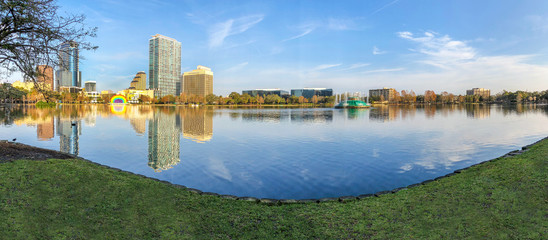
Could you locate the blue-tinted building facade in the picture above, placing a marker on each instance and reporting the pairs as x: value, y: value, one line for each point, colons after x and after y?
x: 266, y: 92
x: 69, y: 74
x: 310, y: 92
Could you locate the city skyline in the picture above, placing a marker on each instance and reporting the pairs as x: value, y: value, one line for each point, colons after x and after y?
x: 443, y: 46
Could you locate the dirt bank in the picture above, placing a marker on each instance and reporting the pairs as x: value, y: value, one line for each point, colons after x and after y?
x: 10, y: 151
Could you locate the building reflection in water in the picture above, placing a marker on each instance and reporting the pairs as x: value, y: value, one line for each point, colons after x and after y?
x: 45, y: 130
x: 68, y: 131
x: 478, y: 110
x: 311, y: 115
x: 383, y: 113
x: 354, y: 113
x: 265, y: 115
x: 197, y: 124
x: 163, y: 139
x: 139, y: 125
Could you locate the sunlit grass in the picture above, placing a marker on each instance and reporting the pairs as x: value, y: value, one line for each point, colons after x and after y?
x: 506, y: 198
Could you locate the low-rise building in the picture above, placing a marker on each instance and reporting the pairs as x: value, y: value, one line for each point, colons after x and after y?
x: 133, y: 95
x: 482, y: 92
x: 266, y: 92
x: 69, y: 89
x: 90, y: 86
x: 384, y: 94
x: 310, y: 92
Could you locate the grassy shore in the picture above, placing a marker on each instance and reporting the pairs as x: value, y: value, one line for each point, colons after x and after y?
x: 501, y: 199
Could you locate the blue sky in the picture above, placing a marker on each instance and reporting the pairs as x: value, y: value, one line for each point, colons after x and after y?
x: 345, y: 45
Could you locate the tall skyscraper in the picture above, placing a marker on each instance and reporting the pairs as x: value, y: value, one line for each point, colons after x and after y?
x: 139, y: 81
x: 69, y: 74
x: 164, y: 65
x: 198, y: 82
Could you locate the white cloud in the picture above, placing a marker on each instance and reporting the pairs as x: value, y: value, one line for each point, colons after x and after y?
x: 385, y: 70
x: 237, y: 67
x: 305, y: 32
x: 325, y: 66
x: 462, y: 67
x: 218, y: 32
x: 443, y: 51
x: 377, y: 51
x: 341, y: 24
x: 355, y: 66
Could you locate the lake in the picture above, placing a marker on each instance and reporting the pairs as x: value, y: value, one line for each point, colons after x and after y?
x: 281, y: 153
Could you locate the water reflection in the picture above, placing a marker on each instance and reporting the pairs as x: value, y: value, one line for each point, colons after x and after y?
x: 197, y: 124
x: 308, y: 115
x: 163, y: 140
x: 68, y: 131
x: 478, y: 111
x: 270, y: 152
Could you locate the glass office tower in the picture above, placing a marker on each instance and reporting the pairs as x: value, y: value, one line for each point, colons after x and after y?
x: 69, y: 74
x: 164, y: 65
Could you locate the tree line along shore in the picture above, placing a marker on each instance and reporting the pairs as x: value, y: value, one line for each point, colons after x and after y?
x: 10, y: 94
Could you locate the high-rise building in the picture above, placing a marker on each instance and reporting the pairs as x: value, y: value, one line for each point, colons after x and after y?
x: 198, y: 82
x: 69, y: 74
x: 90, y: 86
x: 310, y: 92
x: 45, y: 75
x: 384, y: 94
x: 164, y: 66
x: 139, y: 81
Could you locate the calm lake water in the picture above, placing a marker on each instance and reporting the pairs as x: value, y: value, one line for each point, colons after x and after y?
x: 281, y: 152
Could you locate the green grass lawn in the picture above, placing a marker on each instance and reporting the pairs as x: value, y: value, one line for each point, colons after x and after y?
x: 506, y: 198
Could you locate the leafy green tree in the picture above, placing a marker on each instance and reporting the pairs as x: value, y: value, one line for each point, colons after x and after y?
x: 235, y: 97
x: 244, y: 98
x: 8, y: 93
x: 292, y: 100
x: 211, y: 99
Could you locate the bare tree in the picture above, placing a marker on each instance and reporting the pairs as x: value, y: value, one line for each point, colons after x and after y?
x: 31, y: 33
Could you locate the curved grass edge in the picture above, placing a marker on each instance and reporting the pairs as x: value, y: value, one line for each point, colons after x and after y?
x: 273, y: 201
x: 73, y: 199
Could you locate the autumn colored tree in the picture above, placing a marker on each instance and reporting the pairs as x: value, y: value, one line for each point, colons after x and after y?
x: 314, y: 99
x: 260, y: 100
x: 244, y: 98
x: 301, y: 99
x: 397, y: 97
x: 429, y: 96
x: 167, y: 99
